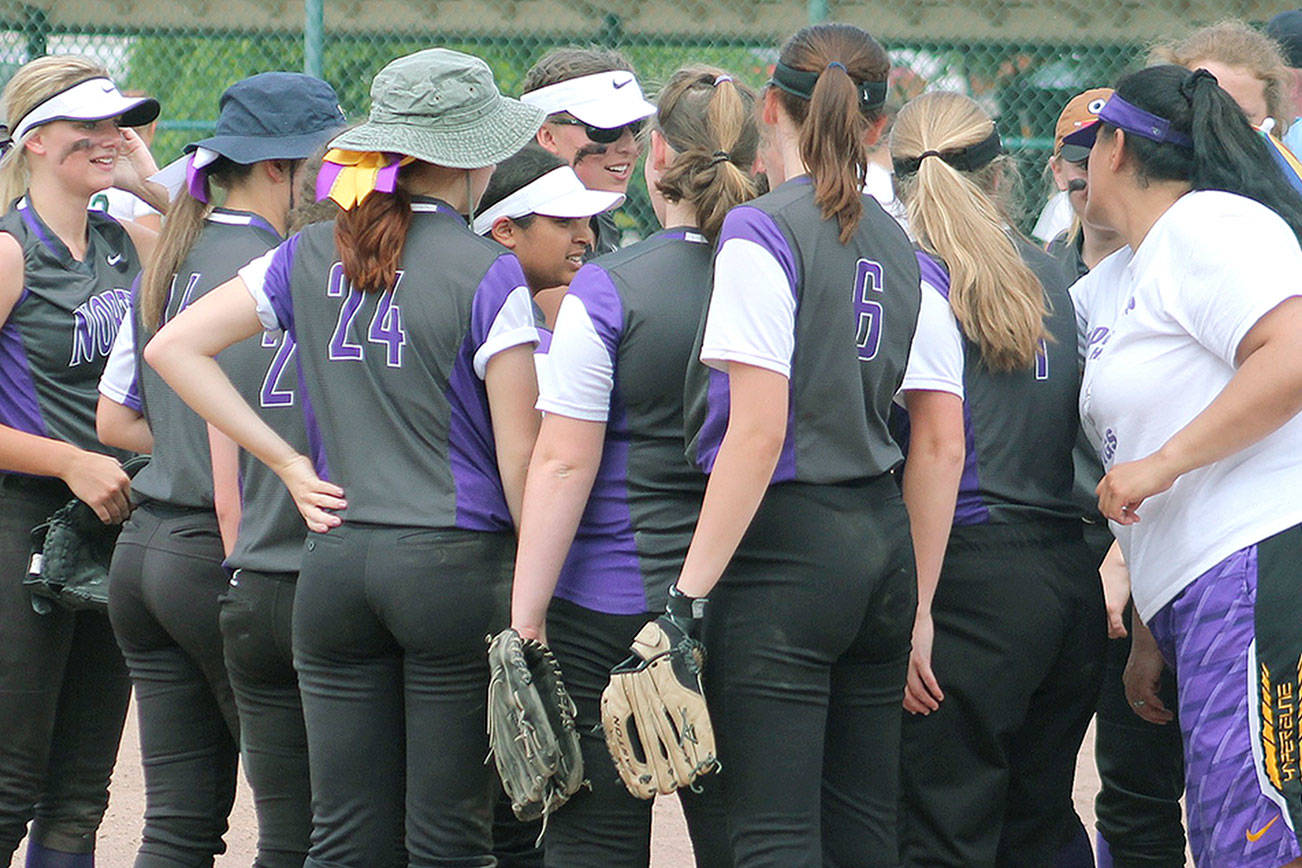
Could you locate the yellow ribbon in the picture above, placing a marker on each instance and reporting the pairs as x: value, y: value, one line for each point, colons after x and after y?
x: 357, y: 173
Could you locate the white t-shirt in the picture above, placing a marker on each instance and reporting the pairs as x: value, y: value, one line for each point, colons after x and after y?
x: 752, y: 319
x: 1160, y: 328
x: 120, y: 205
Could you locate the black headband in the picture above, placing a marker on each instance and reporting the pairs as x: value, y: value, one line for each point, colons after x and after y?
x: 800, y: 83
x: 967, y: 159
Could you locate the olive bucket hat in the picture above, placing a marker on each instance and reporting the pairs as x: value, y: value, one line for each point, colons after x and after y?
x: 442, y: 107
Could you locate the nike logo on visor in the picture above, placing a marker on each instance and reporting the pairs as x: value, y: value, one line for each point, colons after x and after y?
x: 618, y: 84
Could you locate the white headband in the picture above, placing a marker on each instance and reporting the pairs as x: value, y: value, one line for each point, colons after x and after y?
x: 559, y: 193
x: 94, y: 99
x: 604, y: 99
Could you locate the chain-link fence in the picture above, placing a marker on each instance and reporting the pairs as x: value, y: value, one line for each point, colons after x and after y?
x: 1021, y: 58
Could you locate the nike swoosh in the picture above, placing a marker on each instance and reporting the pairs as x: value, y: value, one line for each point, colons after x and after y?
x: 1256, y: 836
x: 107, y: 88
x: 619, y: 84
x: 114, y: 259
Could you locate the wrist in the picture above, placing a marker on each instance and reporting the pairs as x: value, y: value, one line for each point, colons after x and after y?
x: 685, y: 607
x: 1170, y: 461
x: 64, y: 459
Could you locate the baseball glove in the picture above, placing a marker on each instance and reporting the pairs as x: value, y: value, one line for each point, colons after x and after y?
x: 653, y: 711
x: 531, y: 731
x: 70, y: 556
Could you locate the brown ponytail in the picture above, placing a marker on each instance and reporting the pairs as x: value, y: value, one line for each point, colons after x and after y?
x: 996, y: 298
x: 833, y: 120
x: 709, y: 119
x: 181, y: 229
x: 370, y: 238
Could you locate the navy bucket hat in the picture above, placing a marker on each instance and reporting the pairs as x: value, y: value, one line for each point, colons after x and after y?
x: 274, y: 116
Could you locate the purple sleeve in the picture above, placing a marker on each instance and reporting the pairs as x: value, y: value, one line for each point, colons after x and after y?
x: 751, y: 224
x: 593, y: 287
x: 276, y: 284
x: 934, y: 274
x: 503, y: 277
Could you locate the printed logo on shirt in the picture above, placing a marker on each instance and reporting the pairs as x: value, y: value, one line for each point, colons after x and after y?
x: 1130, y: 305
x: 114, y: 259
x: 1097, y: 340
x: 1109, y: 445
x: 1254, y: 837
x: 95, y: 325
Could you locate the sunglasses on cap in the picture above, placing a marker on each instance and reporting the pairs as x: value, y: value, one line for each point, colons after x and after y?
x: 602, y: 135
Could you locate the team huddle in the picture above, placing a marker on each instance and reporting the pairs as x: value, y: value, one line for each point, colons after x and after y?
x: 817, y: 506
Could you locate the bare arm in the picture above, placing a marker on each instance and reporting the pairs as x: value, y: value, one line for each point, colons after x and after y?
x: 1264, y: 393
x: 95, y: 478
x: 184, y: 353
x: 512, y: 386
x: 225, y: 454
x: 561, y: 474
x: 748, y: 455
x: 118, y: 425
x: 937, y: 449
x: 1115, y: 576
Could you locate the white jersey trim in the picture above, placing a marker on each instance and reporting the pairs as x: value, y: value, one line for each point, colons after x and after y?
x: 752, y: 313
x: 579, y: 375
x: 936, y: 362
x: 513, y: 325
x: 254, y: 276
x: 120, y: 372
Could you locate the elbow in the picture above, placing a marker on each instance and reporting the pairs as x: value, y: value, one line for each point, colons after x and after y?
x: 949, y: 453
x: 763, y: 442
x: 159, y: 350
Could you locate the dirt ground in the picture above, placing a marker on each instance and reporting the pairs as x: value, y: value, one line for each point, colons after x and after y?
x: 120, y: 833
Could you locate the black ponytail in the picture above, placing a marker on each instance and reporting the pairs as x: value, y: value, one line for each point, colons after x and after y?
x: 1228, y: 154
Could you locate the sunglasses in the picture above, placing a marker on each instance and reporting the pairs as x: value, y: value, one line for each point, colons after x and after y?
x: 602, y: 135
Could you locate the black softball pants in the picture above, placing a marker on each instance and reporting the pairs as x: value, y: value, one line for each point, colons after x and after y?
x: 64, y: 691
x: 1020, y: 633
x: 256, y: 617
x: 389, y: 644
x: 165, y: 587
x: 807, y: 650
x: 608, y: 827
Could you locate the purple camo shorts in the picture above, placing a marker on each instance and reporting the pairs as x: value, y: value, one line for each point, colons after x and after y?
x: 1207, y: 635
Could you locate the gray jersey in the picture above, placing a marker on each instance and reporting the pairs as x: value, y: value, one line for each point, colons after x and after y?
x: 57, y: 338
x: 644, y: 303
x: 1020, y: 425
x: 856, y: 311
x: 396, y: 408
x: 180, y: 471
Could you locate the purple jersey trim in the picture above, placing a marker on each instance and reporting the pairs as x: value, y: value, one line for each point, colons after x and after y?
x: 751, y: 224
x: 602, y: 571
x: 497, y: 284
x: 275, y: 286
x: 315, y: 444
x: 970, y: 508
x: 37, y: 228
x: 594, y: 288
x: 717, y: 404
x: 544, y: 341
x: 19, y: 406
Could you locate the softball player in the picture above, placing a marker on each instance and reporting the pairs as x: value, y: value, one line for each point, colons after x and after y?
x: 167, y: 578
x: 1006, y: 583
x: 64, y: 284
x: 1190, y: 394
x: 418, y: 389
x: 802, y: 540
x: 610, y: 500
x: 536, y: 207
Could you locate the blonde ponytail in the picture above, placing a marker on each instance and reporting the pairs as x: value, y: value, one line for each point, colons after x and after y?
x: 996, y: 298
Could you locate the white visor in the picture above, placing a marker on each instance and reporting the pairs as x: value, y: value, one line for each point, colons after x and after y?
x: 559, y: 193
x: 604, y: 99
x: 92, y: 100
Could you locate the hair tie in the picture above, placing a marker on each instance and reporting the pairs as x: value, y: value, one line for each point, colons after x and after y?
x: 722, y: 78
x: 1189, y: 86
x: 967, y: 159
x: 720, y: 157
x: 838, y: 65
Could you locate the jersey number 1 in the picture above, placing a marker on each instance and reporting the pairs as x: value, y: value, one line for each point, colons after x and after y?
x: 868, y: 288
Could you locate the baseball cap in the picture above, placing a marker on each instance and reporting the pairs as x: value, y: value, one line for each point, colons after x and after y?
x: 443, y: 107
x: 93, y: 99
x: 1286, y: 29
x: 604, y: 99
x: 559, y: 193
x: 1082, y: 110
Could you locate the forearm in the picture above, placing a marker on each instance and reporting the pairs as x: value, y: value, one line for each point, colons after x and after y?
x: 554, y: 499
x: 931, y: 481
x: 21, y: 452
x: 120, y: 426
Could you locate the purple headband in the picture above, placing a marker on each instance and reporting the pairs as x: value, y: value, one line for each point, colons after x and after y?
x: 196, y: 179
x: 1124, y: 116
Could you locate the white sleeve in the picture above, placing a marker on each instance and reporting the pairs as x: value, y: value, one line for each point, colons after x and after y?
x: 254, y: 276
x: 513, y: 325
x: 119, y: 380
x: 578, y: 376
x: 936, y: 356
x: 752, y: 313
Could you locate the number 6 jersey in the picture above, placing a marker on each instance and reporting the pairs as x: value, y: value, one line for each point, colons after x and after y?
x: 392, y: 383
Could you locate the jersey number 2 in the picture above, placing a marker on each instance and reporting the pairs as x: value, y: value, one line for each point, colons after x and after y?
x: 867, y: 290
x: 272, y: 394
x: 386, y: 322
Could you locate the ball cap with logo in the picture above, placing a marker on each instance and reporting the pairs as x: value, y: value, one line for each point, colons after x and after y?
x: 1081, y: 111
x: 604, y: 99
